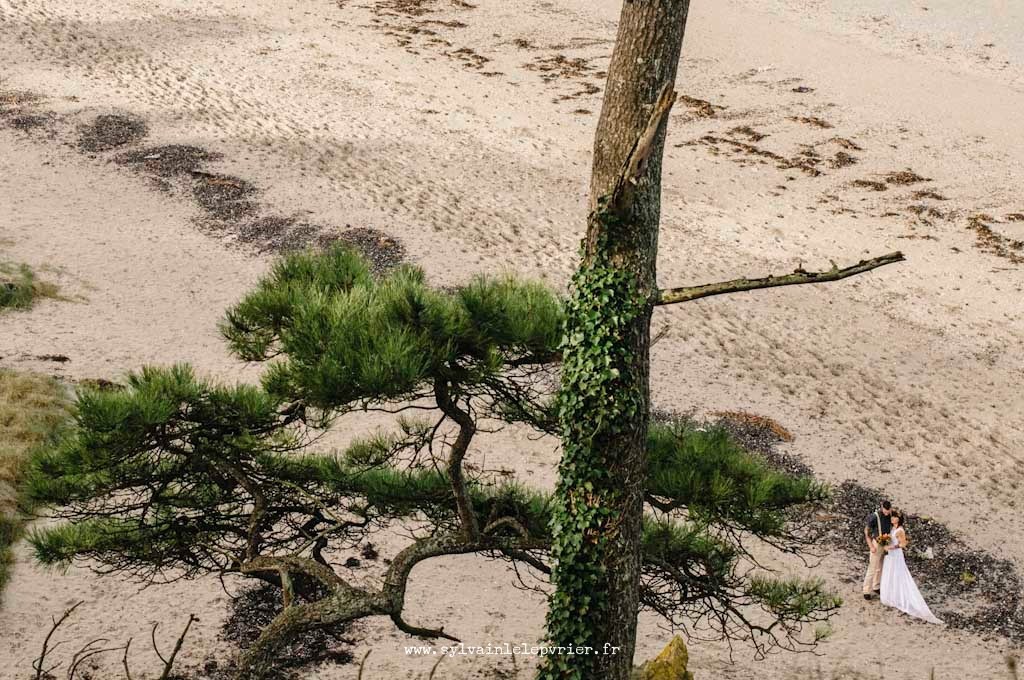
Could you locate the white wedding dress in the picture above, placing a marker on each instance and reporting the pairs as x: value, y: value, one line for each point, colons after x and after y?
x: 898, y: 587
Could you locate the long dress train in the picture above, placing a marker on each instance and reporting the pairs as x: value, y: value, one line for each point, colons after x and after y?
x: 899, y: 589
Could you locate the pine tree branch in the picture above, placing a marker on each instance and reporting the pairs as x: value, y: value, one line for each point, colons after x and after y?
x: 456, y: 475
x: 510, y: 522
x: 296, y: 565
x: 416, y: 631
x: 261, y: 659
x: 397, y: 576
x: 671, y: 296
x: 523, y: 556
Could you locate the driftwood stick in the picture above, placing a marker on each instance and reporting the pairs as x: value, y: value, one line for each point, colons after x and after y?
x: 671, y: 296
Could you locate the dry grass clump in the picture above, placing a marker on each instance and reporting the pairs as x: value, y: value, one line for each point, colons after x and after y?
x: 32, y: 410
x: 923, y: 211
x: 754, y: 420
x: 19, y: 287
x: 869, y: 184
x: 170, y: 160
x: 11, y: 99
x: 842, y: 160
x: 748, y: 132
x: 559, y: 66
x: 224, y: 197
x: 847, y: 144
x: 813, y: 121
x: 993, y: 242
x: 805, y: 161
x: 928, y: 193
x: 699, y: 108
x: 905, y: 177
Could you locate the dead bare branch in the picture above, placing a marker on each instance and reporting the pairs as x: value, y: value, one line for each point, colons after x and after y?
x: 156, y: 648
x: 86, y: 652
x: 362, y: 664
x: 660, y: 335
x: 177, y: 648
x: 124, y: 660
x: 671, y: 296
x: 636, y: 163
x: 39, y: 664
x: 433, y: 669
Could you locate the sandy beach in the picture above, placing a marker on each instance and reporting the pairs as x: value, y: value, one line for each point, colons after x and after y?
x: 808, y: 131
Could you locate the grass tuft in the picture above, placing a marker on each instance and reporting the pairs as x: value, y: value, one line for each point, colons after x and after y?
x: 19, y: 287
x: 33, y: 408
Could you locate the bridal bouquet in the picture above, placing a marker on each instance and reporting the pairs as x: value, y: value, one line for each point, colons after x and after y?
x: 884, y: 540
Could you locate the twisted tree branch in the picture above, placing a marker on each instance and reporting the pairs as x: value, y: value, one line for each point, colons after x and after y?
x: 416, y: 631
x: 671, y: 296
x: 295, y: 565
x: 456, y: 474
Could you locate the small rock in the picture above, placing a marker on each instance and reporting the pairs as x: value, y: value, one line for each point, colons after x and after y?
x: 669, y: 665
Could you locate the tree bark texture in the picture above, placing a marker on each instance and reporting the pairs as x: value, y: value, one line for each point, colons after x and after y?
x: 600, y: 496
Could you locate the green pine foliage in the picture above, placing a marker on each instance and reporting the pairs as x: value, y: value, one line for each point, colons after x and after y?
x: 176, y: 476
x: 349, y: 339
x: 719, y: 483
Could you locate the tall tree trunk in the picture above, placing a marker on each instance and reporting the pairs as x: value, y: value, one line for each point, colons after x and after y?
x: 605, y: 389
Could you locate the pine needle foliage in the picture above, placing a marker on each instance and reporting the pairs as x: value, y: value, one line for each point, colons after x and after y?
x: 719, y: 483
x: 351, y: 339
x: 176, y: 476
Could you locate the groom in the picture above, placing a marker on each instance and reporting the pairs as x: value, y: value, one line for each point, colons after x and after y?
x: 877, y: 523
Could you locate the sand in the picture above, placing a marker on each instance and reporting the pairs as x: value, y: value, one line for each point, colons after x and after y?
x: 465, y: 133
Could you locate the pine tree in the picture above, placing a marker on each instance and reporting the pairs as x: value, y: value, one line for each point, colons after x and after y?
x: 178, y: 477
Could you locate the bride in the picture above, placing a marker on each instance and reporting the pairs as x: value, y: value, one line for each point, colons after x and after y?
x: 898, y: 587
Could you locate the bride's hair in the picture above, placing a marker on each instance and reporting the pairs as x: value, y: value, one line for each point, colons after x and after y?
x: 896, y: 514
